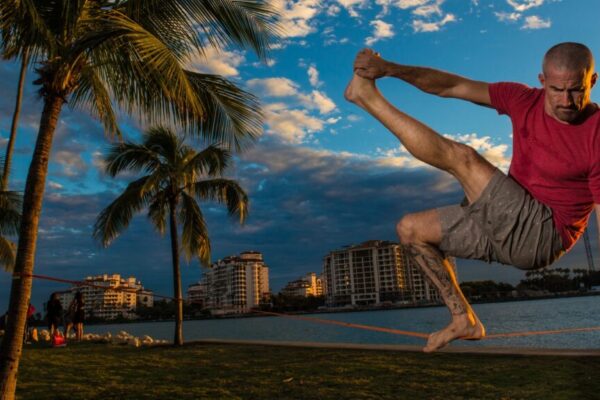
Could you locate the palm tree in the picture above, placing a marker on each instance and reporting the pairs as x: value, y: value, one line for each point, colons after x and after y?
x: 10, y: 218
x: 177, y: 176
x: 15, y: 121
x: 99, y: 54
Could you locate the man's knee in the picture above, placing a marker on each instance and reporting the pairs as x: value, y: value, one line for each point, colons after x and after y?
x: 407, y: 229
x: 464, y: 159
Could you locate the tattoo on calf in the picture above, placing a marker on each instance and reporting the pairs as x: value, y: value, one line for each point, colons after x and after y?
x: 432, y: 264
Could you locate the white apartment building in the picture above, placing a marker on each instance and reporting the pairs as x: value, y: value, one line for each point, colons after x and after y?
x: 372, y: 273
x: 196, y: 293
x: 110, y: 296
x: 236, y: 284
x: 308, y: 285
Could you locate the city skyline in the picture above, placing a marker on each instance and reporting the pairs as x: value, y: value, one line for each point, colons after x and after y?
x: 324, y: 174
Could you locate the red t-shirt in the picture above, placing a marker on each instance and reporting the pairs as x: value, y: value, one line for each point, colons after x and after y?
x: 559, y: 164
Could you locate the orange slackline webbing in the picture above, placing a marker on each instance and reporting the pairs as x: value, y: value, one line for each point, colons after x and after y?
x: 348, y: 324
x: 333, y: 322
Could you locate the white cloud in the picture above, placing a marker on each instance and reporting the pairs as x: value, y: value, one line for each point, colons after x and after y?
x: 219, y: 62
x: 319, y: 101
x: 354, y: 118
x: 381, y: 30
x: 422, y: 26
x: 404, y: 4
x: 313, y: 76
x: 510, y: 17
x: 283, y: 87
x: 428, y: 10
x: 274, y: 87
x: 350, y: 5
x: 71, y: 162
x: 523, y: 5
x: 535, y: 22
x: 296, y: 16
x: 54, y: 185
x: 292, y: 126
x: 333, y: 10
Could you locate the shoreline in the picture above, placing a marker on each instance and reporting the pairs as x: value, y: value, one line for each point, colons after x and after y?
x: 259, y: 314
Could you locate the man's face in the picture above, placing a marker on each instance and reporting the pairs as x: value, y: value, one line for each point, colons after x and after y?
x: 567, y: 92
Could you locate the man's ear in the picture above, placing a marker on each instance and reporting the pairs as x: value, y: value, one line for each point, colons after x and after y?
x: 594, y: 78
x: 541, y: 78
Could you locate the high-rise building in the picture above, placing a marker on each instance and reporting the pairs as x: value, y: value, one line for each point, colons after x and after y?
x: 372, y: 273
x: 309, y: 285
x: 197, y: 293
x: 109, y: 296
x: 236, y: 284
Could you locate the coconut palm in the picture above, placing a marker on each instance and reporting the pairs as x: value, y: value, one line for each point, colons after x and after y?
x: 15, y: 121
x: 10, y: 218
x: 177, y: 177
x: 101, y: 54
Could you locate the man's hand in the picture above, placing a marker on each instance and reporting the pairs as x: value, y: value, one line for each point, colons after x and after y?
x: 369, y: 64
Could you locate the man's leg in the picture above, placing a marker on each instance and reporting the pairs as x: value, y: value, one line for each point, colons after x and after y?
x: 421, y: 232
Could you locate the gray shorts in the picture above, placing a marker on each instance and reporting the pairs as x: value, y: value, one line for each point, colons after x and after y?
x: 505, y: 224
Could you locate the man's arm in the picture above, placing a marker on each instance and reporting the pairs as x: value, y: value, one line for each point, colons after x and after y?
x: 370, y: 65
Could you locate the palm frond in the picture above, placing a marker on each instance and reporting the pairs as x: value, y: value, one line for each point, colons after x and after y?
x: 233, y: 116
x: 117, y: 216
x: 130, y: 157
x: 194, y: 238
x: 163, y: 142
x: 143, y: 73
x: 11, y: 204
x: 251, y: 23
x: 92, y: 95
x: 209, y: 162
x: 157, y: 212
x: 7, y: 254
x: 223, y: 191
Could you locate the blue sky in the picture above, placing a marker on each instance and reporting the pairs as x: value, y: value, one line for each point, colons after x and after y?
x: 324, y: 174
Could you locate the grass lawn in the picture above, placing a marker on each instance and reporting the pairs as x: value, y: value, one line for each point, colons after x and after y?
x: 210, y: 371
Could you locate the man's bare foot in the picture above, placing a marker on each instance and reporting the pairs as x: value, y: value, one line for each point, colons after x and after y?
x: 461, y: 327
x: 360, y: 90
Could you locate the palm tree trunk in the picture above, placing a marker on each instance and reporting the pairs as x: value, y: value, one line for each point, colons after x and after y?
x: 15, y: 120
x: 178, y: 340
x: 20, y: 291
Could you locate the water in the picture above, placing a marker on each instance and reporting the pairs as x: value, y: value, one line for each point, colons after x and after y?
x: 533, y: 315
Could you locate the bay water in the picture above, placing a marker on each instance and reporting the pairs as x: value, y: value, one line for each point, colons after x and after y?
x: 517, y: 316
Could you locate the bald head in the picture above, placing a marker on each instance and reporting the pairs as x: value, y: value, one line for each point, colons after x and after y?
x: 569, y: 56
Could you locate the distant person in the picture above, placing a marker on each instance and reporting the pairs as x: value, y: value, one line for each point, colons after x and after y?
x: 528, y: 218
x: 78, y: 315
x: 27, y: 337
x: 54, y: 313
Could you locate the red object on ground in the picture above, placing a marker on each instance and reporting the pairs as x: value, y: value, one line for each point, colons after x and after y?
x: 58, y: 340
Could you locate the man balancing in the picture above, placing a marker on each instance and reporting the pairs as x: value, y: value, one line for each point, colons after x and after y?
x: 530, y: 217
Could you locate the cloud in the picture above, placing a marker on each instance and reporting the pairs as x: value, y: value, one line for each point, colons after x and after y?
x: 350, y: 6
x: 296, y: 17
x: 219, y: 62
x: 71, y: 163
x: 313, y: 76
x: 535, y: 22
x: 284, y: 87
x: 381, y: 30
x: 507, y: 17
x: 319, y: 101
x: 523, y: 5
x: 422, y: 26
x: 274, y: 87
x: 291, y: 125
